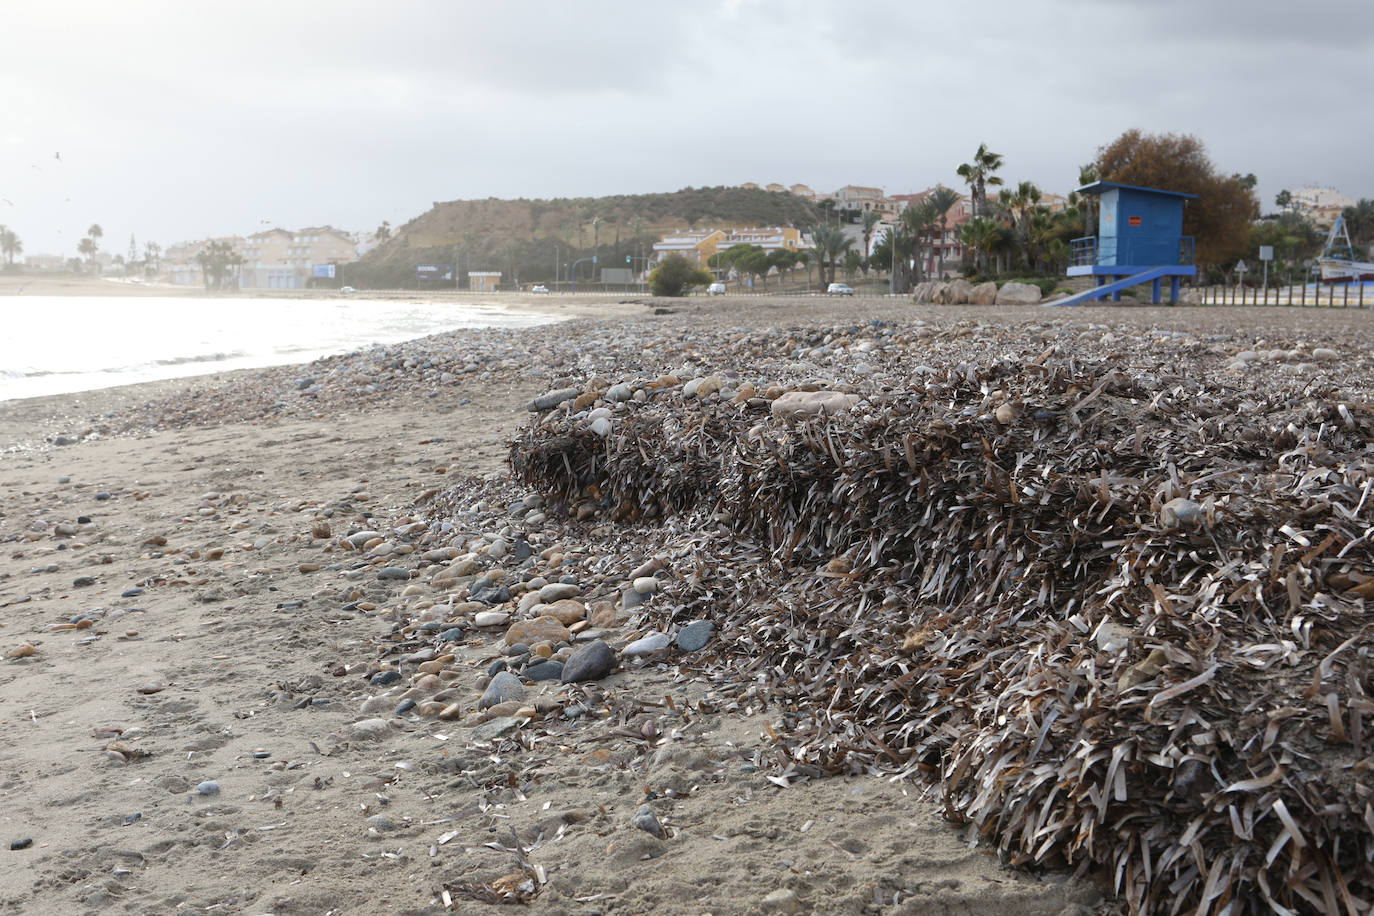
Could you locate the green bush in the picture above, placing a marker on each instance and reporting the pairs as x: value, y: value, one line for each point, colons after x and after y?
x: 675, y: 274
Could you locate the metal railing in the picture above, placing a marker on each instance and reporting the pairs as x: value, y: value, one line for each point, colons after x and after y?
x: 1092, y: 251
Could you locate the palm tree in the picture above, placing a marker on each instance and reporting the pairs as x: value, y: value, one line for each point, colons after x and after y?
x: 870, y: 220
x: 1087, y: 203
x: 941, y: 201
x: 10, y: 244
x: 88, y: 248
x: 978, y: 174
x: 979, y: 237
x: 830, y: 243
x: 917, y: 224
x: 1359, y: 220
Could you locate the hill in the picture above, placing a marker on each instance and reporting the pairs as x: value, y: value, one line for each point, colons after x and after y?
x: 529, y: 239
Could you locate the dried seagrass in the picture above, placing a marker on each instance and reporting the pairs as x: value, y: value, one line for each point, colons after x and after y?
x: 976, y: 579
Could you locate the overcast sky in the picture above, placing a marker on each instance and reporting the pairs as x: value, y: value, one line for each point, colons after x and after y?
x: 178, y: 120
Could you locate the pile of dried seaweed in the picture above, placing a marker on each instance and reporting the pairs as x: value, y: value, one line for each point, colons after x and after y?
x: 1119, y: 618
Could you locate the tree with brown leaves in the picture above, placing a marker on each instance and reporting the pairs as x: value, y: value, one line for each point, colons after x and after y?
x: 1219, y: 219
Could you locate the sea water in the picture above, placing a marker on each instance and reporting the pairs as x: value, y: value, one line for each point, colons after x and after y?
x: 59, y: 344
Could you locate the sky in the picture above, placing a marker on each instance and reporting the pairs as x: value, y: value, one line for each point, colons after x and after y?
x: 172, y: 121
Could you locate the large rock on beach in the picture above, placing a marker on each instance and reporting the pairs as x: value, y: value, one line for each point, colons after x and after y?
x: 926, y: 291
x: 983, y: 294
x: 955, y: 292
x: 1018, y: 294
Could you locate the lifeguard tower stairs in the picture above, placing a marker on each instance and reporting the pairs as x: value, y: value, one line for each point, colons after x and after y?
x: 1139, y: 240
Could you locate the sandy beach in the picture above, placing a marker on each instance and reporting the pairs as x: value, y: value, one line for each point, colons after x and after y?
x: 247, y: 667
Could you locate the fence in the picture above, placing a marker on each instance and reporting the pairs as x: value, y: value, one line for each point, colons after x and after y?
x: 1309, y: 295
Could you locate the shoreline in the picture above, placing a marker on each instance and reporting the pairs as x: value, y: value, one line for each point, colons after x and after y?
x: 213, y: 622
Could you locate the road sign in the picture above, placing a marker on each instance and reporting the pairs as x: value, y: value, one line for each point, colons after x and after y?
x: 1266, y: 252
x: 1240, y: 267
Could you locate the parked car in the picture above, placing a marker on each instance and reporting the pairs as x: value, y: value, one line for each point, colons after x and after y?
x: 347, y: 289
x: 540, y: 289
x: 716, y: 289
x: 840, y: 289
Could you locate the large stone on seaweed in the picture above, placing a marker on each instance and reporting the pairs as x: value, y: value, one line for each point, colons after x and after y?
x: 801, y: 405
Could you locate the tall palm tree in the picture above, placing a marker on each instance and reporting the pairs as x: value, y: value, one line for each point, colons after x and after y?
x: 979, y: 236
x: 830, y: 243
x: 88, y: 248
x: 941, y: 201
x: 10, y: 244
x: 918, y: 222
x: 870, y: 220
x: 978, y: 174
x: 1087, y: 203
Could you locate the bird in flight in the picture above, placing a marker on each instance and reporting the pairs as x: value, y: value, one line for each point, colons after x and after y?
x: 57, y: 156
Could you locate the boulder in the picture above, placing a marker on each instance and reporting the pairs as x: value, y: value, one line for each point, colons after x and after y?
x: 1018, y: 294
x: 800, y: 405
x: 925, y: 291
x: 955, y: 292
x: 983, y: 294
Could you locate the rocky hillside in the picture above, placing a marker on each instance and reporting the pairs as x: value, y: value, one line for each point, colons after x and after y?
x: 527, y: 238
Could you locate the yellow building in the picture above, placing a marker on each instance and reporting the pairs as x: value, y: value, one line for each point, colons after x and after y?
x: 768, y: 238
x: 696, y: 245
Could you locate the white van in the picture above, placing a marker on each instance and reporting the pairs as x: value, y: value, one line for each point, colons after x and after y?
x: 716, y: 289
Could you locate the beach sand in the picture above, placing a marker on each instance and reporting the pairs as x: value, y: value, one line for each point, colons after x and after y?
x: 179, y: 569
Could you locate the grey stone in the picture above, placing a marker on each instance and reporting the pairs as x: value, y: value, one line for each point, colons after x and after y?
x: 1018, y: 294
x: 504, y: 686
x: 589, y: 663
x: 394, y: 572
x: 496, y: 728
x: 647, y: 645
x: 553, y: 399
x: 557, y: 591
x: 695, y: 635
x: 370, y: 730
x: 646, y: 820
x: 548, y: 670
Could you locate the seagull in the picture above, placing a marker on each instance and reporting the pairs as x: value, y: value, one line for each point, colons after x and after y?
x: 57, y: 156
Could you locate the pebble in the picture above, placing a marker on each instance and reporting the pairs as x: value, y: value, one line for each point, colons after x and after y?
x: 405, y: 706
x: 504, y: 687
x: 591, y: 662
x: 646, y: 645
x: 452, y: 634
x: 558, y: 591
x: 383, y: 678
x: 540, y: 629
x: 1180, y: 513
x: 645, y: 585
x: 782, y: 900
x: 209, y: 787
x: 394, y: 572
x: 496, y: 728
x: 490, y: 618
x: 695, y: 635
x: 553, y: 399
x: 24, y: 842
x: 83, y: 581
x: 544, y: 671
x: 646, y: 820
x: 370, y: 729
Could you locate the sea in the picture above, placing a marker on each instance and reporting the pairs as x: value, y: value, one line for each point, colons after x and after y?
x: 60, y: 344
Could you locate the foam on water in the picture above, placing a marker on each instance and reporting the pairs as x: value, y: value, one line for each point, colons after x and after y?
x: 58, y: 344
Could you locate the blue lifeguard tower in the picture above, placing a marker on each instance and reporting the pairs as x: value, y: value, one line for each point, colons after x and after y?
x: 1139, y: 240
